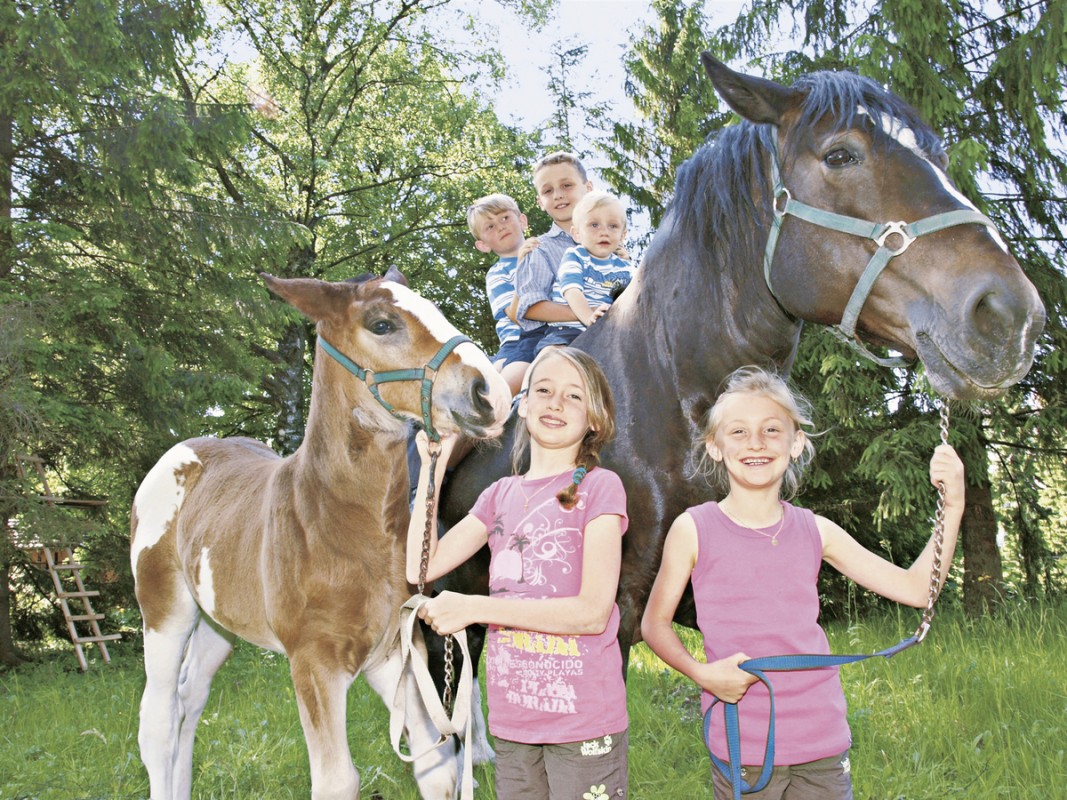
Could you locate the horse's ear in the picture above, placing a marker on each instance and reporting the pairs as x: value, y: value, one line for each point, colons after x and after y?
x: 396, y: 276
x: 313, y: 298
x: 756, y: 99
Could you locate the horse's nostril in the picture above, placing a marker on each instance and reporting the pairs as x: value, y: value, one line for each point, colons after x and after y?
x: 991, y: 313
x: 480, y: 394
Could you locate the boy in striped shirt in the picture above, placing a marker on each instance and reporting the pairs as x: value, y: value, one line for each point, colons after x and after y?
x: 497, y: 226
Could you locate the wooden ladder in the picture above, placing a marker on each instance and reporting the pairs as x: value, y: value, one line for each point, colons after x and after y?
x: 59, y: 560
x: 70, y: 588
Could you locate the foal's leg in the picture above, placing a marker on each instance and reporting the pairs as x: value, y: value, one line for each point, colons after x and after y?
x: 437, y: 771
x: 321, y: 694
x: 208, y: 649
x: 166, y: 636
x: 481, y: 751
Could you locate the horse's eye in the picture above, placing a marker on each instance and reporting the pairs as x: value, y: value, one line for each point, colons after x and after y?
x: 381, y: 327
x: 839, y: 157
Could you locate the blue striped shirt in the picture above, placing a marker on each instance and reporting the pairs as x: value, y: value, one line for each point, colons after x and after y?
x: 594, y: 277
x: 500, y: 287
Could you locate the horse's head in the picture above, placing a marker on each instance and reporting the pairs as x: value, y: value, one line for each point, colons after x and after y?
x: 397, y: 346
x: 883, y: 243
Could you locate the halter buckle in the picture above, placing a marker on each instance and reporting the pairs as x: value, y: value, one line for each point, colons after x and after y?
x: 899, y: 228
x: 781, y: 206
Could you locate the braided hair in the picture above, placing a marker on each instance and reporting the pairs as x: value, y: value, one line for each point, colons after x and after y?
x: 600, y: 410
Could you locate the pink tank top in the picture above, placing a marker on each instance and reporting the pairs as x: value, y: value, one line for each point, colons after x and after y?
x: 761, y: 599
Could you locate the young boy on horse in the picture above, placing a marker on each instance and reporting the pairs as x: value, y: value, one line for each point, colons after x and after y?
x: 498, y: 227
x: 560, y: 181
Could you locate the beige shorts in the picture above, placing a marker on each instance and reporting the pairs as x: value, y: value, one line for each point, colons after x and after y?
x: 594, y: 769
x: 825, y: 779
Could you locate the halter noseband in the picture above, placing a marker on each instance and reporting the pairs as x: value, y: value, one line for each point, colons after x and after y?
x: 878, y: 232
x: 425, y: 374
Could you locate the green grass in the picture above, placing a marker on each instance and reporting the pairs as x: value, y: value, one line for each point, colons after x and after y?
x: 978, y: 711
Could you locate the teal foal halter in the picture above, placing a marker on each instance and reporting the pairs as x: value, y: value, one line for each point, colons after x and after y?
x: 425, y: 374
x: 878, y: 232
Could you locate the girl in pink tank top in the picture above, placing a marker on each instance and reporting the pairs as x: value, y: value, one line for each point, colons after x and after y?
x: 753, y: 559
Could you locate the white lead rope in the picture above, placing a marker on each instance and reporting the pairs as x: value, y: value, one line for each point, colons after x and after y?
x: 411, y: 654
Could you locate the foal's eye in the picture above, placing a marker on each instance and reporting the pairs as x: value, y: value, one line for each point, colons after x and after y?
x: 839, y: 157
x: 381, y: 327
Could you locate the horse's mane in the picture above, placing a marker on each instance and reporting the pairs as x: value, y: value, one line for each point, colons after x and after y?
x: 723, y: 188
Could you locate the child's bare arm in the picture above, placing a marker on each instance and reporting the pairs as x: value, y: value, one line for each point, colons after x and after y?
x: 722, y: 678
x: 580, y: 306
x: 909, y: 586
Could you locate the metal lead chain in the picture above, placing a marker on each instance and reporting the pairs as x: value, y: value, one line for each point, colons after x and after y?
x: 431, y: 510
x: 939, y: 541
x: 424, y: 566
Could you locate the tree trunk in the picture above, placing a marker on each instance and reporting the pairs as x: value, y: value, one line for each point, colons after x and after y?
x: 9, y: 656
x: 7, y: 154
x: 983, y: 577
x: 286, y: 386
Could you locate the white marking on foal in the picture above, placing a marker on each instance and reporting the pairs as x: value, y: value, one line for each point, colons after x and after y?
x: 205, y: 586
x: 438, y: 325
x: 158, y: 499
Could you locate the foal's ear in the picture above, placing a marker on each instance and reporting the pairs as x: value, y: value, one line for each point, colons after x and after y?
x: 396, y: 276
x: 313, y: 298
x: 756, y: 99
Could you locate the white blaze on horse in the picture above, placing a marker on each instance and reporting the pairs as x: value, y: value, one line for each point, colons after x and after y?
x: 305, y: 555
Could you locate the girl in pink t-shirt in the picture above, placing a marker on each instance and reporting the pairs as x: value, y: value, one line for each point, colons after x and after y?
x: 753, y: 560
x: 557, y: 701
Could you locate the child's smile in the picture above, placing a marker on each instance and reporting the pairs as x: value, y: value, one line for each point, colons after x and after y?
x: 755, y: 440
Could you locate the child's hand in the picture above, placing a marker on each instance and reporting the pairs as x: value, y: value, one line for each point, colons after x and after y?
x: 622, y: 252
x: 598, y: 312
x: 444, y: 447
x: 528, y: 247
x: 447, y: 613
x: 947, y: 469
x: 724, y: 679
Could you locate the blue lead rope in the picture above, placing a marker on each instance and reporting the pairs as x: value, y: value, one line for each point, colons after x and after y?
x: 757, y: 666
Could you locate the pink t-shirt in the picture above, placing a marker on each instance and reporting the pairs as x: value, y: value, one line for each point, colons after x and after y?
x: 763, y: 600
x: 549, y: 688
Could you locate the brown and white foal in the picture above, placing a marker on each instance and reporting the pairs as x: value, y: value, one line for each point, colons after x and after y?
x: 303, y: 555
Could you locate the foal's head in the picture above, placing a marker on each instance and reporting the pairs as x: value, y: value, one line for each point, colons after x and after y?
x: 369, y: 328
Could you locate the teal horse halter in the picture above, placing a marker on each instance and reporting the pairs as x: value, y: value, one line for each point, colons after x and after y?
x: 425, y: 374
x: 878, y: 232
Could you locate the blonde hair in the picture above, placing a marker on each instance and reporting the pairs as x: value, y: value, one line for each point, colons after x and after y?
x: 485, y: 206
x: 751, y: 380
x: 560, y: 157
x: 599, y: 409
x: 591, y: 201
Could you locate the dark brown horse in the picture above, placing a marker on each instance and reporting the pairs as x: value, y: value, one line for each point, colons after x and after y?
x: 305, y: 555
x: 942, y: 288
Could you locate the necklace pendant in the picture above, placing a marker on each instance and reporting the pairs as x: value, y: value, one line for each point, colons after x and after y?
x: 774, y: 542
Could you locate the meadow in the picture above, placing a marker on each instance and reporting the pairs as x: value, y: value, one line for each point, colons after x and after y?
x: 978, y: 711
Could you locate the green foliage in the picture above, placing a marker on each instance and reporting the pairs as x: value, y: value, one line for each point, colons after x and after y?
x: 675, y: 107
x: 364, y: 132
